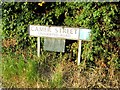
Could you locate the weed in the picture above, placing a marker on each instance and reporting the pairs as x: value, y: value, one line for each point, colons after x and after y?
x: 50, y: 71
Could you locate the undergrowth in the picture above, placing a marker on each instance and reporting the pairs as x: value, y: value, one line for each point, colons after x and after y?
x: 50, y: 71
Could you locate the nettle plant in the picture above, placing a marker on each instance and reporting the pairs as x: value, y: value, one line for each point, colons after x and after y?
x: 101, y: 18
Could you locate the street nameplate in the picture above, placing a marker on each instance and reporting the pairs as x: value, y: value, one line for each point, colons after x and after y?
x: 85, y: 34
x: 54, y: 32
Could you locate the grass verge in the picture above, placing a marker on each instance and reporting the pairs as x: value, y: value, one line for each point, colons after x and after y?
x: 50, y: 71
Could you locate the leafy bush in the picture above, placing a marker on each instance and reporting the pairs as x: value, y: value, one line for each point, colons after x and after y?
x: 101, y: 18
x: 102, y: 52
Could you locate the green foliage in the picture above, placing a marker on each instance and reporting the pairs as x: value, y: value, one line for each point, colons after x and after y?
x: 57, y: 80
x: 101, y: 18
x: 28, y: 71
x: 13, y: 66
x: 43, y: 72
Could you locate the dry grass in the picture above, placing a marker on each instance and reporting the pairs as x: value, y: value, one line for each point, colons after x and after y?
x: 78, y: 77
x: 61, y: 74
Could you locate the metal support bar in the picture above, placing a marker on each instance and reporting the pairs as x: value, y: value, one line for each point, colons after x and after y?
x: 79, y: 51
x: 38, y: 46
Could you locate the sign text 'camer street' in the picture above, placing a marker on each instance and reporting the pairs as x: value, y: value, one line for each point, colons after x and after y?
x: 54, y: 32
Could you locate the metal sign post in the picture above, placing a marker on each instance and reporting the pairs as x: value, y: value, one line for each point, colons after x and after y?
x: 84, y: 35
x: 38, y: 46
x: 79, y: 51
x: 59, y: 33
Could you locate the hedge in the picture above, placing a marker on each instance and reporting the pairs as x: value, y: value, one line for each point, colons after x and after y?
x: 101, y: 17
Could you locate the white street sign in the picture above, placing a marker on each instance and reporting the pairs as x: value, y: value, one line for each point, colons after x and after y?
x: 59, y: 32
x: 54, y: 32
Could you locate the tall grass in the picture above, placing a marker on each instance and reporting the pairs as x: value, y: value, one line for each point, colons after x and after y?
x: 28, y: 72
x: 0, y: 46
x: 15, y: 70
x: 51, y: 71
x: 57, y: 77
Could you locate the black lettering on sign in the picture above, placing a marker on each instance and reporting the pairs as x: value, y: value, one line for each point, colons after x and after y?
x: 71, y: 31
x: 64, y: 31
x: 40, y: 29
x: 56, y: 30
x: 75, y: 31
x: 32, y: 28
